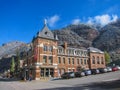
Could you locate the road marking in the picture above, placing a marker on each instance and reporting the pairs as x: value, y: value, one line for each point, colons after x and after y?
x: 110, y: 80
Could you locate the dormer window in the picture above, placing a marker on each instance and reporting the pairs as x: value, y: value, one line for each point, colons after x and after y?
x: 46, y: 33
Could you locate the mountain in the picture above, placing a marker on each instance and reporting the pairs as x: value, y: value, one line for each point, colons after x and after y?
x: 78, y: 35
x: 109, y: 37
x: 109, y: 40
x: 10, y: 48
x: 106, y: 38
x: 85, y: 31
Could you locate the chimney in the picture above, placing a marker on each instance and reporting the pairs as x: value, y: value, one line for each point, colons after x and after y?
x: 65, y: 45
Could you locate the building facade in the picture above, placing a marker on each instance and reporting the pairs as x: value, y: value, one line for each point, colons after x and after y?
x: 48, y: 59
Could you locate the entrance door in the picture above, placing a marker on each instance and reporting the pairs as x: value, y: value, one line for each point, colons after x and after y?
x: 47, y: 72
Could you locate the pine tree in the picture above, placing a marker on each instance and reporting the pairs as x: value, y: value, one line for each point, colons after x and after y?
x: 17, y: 61
x: 107, y: 57
x: 12, y: 66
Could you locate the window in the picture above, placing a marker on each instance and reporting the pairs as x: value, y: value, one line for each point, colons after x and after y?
x: 81, y: 53
x: 85, y: 53
x: 59, y: 60
x: 68, y: 60
x: 72, y: 60
x: 75, y: 52
x: 102, y: 61
x: 44, y: 59
x: 50, y: 60
x: 50, y: 48
x: 45, y: 48
x: 46, y: 32
x: 98, y: 61
x: 85, y: 61
x: 63, y: 60
x: 77, y: 61
x: 93, y: 60
x: 60, y: 50
x: 81, y: 61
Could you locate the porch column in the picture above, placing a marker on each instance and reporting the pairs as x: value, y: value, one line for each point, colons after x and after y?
x: 55, y: 72
x: 44, y: 72
x: 37, y: 73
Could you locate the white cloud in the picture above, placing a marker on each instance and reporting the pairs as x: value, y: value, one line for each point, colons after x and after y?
x: 102, y: 19
x: 115, y: 17
x: 76, y: 21
x: 90, y: 21
x: 52, y: 20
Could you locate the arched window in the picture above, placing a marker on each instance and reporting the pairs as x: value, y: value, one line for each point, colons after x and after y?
x: 44, y: 59
x: 63, y: 60
x: 77, y: 61
x: 45, y: 48
x: 98, y: 61
x: 59, y: 60
x: 68, y: 60
x: 93, y: 60
x: 102, y: 61
x: 85, y: 61
x: 81, y: 60
x: 50, y: 60
x: 50, y: 48
x: 72, y: 60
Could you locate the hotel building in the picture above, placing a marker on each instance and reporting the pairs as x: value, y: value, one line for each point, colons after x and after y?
x: 48, y: 59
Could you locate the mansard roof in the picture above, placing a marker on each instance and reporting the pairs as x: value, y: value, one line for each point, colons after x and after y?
x: 46, y: 33
x: 92, y: 49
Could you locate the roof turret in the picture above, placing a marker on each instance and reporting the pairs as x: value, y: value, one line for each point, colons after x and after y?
x: 45, y: 32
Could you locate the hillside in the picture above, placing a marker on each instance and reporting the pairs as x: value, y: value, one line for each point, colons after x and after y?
x: 106, y: 38
x: 71, y: 38
x: 80, y: 35
x: 10, y: 48
x: 109, y: 39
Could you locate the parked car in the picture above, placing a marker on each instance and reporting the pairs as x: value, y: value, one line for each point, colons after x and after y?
x: 87, y: 72
x: 114, y: 68
x: 118, y: 67
x: 79, y: 74
x: 95, y: 71
x: 109, y: 69
x: 102, y: 70
x: 68, y: 75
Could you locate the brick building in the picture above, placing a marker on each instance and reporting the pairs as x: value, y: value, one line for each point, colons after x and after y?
x: 48, y: 59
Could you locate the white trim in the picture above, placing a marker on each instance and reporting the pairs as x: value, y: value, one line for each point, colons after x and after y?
x: 56, y: 67
x: 37, y: 64
x: 54, y: 47
x: 40, y: 45
x: 55, y: 64
x: 37, y: 78
x: 47, y: 55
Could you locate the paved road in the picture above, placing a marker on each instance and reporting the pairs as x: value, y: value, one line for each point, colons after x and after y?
x: 105, y: 81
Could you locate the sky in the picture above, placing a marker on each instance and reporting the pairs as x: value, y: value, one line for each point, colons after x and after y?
x: 21, y: 19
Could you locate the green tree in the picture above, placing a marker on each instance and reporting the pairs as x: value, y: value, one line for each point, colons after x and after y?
x: 18, y: 61
x: 12, y: 66
x: 107, y: 57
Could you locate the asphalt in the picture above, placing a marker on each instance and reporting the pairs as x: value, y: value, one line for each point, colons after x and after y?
x: 107, y: 81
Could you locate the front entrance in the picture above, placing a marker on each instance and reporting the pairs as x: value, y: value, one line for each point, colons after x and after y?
x: 47, y: 72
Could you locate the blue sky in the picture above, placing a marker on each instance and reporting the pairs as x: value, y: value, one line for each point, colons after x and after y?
x: 22, y: 19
